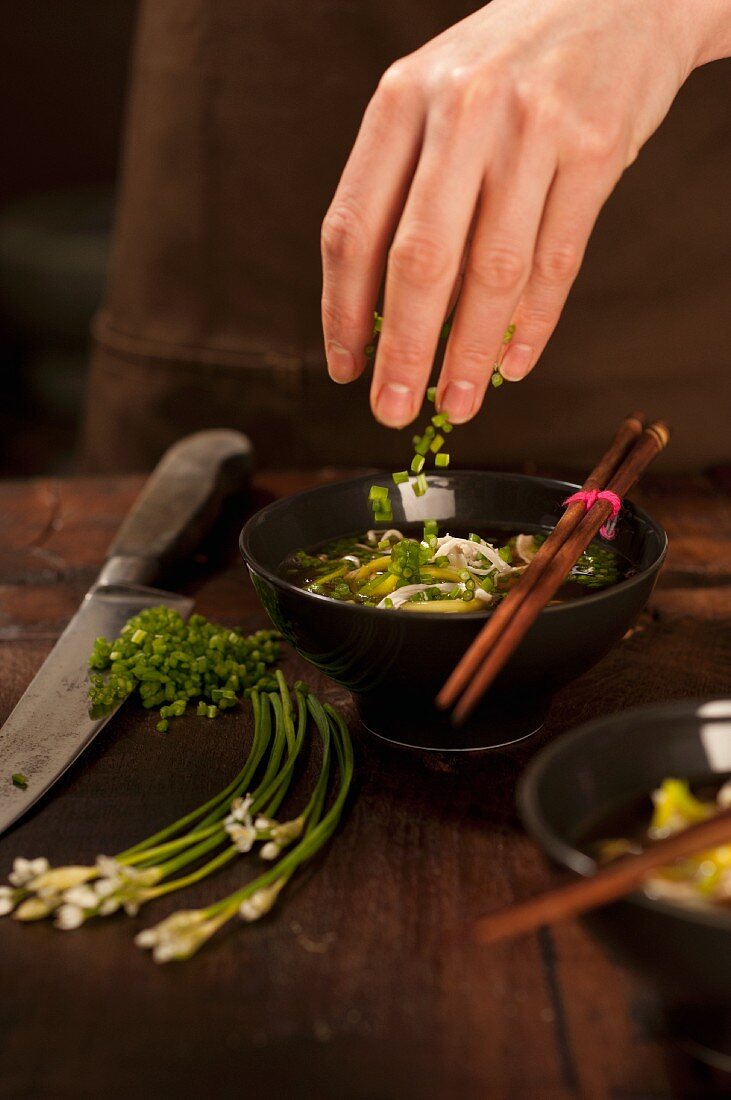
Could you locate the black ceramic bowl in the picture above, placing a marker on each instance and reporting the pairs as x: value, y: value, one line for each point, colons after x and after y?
x: 394, y: 662
x: 589, y: 775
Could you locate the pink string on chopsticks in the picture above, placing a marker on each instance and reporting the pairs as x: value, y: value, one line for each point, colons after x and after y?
x: 589, y: 497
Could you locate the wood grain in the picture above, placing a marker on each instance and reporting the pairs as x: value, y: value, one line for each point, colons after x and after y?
x: 350, y: 988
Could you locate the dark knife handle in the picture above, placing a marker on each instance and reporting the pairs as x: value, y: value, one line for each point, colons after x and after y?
x: 178, y: 504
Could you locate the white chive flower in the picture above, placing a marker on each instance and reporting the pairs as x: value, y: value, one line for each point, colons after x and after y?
x: 282, y: 834
x: 83, y: 896
x: 9, y: 898
x: 288, y: 831
x: 243, y: 836
x: 69, y: 917
x: 25, y: 870
x: 179, y: 936
x: 36, y: 908
x: 103, y: 887
x: 58, y: 879
x: 118, y: 886
x: 108, y: 867
x: 241, y: 809
x: 261, y: 902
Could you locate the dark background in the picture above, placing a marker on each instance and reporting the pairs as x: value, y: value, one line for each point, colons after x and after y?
x: 62, y: 84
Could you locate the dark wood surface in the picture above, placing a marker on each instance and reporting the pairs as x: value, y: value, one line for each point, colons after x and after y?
x: 350, y: 988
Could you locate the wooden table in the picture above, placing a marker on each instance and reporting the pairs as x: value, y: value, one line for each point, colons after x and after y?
x: 349, y: 988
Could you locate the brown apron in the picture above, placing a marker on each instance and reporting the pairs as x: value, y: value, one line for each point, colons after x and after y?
x: 241, y: 116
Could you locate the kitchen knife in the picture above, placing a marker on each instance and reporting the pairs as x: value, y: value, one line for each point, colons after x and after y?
x: 51, y: 725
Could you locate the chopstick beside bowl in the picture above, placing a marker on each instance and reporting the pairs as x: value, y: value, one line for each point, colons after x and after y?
x: 623, y: 463
x: 608, y: 884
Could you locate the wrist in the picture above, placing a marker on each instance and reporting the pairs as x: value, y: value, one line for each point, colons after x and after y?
x: 702, y: 27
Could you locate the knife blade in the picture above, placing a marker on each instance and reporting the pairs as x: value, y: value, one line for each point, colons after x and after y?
x: 51, y: 726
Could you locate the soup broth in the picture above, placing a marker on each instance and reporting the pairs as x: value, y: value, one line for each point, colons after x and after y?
x: 422, y: 571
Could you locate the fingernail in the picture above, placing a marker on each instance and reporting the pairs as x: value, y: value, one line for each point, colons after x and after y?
x: 393, y: 406
x: 516, y: 362
x: 458, y: 400
x: 340, y: 363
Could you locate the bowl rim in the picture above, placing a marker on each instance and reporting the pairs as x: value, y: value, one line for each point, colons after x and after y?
x: 560, y: 850
x: 436, y: 616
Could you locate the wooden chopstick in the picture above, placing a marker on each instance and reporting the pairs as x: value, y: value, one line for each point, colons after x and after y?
x: 651, y: 442
x: 626, y: 435
x: 608, y: 884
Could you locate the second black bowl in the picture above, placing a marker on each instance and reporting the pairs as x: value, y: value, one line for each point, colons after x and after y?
x: 395, y: 662
x: 586, y: 777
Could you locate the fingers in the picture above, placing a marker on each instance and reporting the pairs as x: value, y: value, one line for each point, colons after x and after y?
x: 572, y: 207
x: 361, y: 221
x: 424, y: 260
x: 497, y: 269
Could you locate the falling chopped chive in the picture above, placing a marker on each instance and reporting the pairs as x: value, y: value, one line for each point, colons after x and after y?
x: 162, y: 726
x: 430, y: 431
x: 378, y: 492
x: 431, y: 528
x: 431, y: 394
x: 447, y: 427
x: 509, y: 333
x: 437, y: 443
x: 497, y: 379
x: 20, y: 780
x: 422, y: 447
x: 439, y: 420
x: 400, y: 477
x: 442, y: 459
x: 377, y: 323
x: 417, y: 464
x: 420, y: 485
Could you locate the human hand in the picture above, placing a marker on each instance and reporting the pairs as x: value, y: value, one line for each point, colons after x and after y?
x: 482, y: 162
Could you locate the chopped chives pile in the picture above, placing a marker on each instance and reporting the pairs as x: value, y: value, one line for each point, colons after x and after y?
x: 168, y: 662
x: 432, y: 439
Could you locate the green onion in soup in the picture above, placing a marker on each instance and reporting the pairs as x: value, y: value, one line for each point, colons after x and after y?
x: 391, y: 570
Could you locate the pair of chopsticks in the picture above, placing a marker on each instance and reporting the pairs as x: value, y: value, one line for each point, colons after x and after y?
x: 632, y: 449
x: 607, y: 885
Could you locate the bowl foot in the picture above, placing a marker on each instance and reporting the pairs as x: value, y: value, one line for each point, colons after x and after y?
x: 496, y: 723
